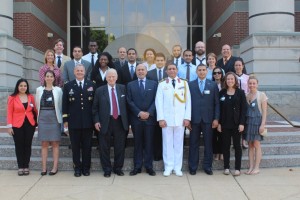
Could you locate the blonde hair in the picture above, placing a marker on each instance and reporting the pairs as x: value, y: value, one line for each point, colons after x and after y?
x: 252, y: 77
x: 45, y: 56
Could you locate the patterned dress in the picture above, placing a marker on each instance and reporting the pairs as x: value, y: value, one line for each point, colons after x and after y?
x: 253, y: 122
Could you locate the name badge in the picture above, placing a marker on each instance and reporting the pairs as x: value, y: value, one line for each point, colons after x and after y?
x: 49, y: 99
x: 222, y: 98
x: 252, y: 105
x: 31, y: 105
x: 206, y: 91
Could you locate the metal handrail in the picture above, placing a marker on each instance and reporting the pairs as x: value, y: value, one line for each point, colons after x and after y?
x: 291, y: 123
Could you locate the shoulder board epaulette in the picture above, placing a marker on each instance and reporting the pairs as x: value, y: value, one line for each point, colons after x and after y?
x: 162, y: 80
x: 183, y: 79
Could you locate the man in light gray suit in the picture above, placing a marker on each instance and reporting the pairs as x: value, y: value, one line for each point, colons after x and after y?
x: 110, y: 119
x: 68, y: 71
x: 205, y: 117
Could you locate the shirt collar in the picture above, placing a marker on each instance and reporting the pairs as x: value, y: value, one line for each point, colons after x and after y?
x: 144, y: 79
x: 202, y: 80
x: 82, y: 82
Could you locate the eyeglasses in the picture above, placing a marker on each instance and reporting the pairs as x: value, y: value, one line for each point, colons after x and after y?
x: 217, y: 73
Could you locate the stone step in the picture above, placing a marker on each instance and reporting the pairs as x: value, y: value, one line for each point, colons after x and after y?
x: 273, y: 137
x: 269, y: 161
x: 267, y: 149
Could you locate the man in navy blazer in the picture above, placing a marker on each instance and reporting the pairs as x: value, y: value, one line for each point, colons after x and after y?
x: 205, y: 117
x: 141, y: 101
x: 110, y: 120
x: 127, y: 72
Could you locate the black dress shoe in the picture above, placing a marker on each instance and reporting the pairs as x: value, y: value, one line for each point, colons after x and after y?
x: 77, y: 174
x: 151, y: 172
x: 192, y: 172
x: 135, y: 172
x: 119, y: 172
x: 208, y: 171
x: 53, y: 173
x: 157, y: 158
x: 107, y: 174
x: 86, y: 173
x: 44, y: 173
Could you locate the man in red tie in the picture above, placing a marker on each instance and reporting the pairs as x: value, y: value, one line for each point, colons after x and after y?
x: 110, y: 119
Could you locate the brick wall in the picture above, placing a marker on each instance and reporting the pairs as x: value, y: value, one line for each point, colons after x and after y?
x: 33, y: 32
x: 297, y: 21
x: 214, y: 9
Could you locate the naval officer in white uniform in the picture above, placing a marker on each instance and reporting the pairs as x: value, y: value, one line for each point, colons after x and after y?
x: 173, y: 106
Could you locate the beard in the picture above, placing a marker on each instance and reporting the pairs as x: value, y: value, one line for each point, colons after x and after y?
x: 200, y: 52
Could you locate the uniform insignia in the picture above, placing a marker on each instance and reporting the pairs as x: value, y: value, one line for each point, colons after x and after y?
x: 162, y: 80
x: 90, y: 89
x: 71, y: 92
x: 90, y: 98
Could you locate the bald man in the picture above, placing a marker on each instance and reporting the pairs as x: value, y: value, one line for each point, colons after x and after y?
x: 200, y: 54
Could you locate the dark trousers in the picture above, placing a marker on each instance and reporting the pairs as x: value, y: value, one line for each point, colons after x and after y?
x: 23, y: 140
x: 227, y: 134
x: 143, y: 145
x: 206, y: 129
x: 217, y: 142
x: 157, y: 143
x: 115, y: 130
x: 81, y: 141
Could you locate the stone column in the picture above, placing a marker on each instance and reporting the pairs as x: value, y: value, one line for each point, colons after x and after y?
x: 6, y: 17
x: 271, y: 16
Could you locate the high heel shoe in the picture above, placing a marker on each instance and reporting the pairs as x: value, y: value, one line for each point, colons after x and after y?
x: 53, y: 173
x: 44, y: 173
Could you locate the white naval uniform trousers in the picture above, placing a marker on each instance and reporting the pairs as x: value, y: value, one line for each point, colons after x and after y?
x: 170, y: 109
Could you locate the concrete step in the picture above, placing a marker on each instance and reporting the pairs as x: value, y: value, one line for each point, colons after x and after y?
x: 270, y: 161
x: 267, y: 149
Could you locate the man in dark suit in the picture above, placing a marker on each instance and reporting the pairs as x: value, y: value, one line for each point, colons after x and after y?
x: 157, y: 75
x: 68, y: 74
x: 127, y: 72
x: 141, y: 101
x: 227, y: 61
x: 77, y: 117
x: 176, y: 56
x: 110, y: 119
x: 160, y: 72
x: 122, y: 58
x: 205, y: 116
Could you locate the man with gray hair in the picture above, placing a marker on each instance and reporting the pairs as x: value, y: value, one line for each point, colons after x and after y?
x: 110, y: 119
x: 78, y: 98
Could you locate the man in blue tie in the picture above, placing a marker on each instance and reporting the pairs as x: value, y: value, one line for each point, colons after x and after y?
x: 205, y: 117
x: 141, y: 102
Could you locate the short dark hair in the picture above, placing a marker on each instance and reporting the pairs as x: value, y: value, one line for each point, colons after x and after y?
x: 186, y: 51
x: 16, y: 91
x: 171, y: 64
x: 132, y: 49
x: 161, y: 55
x: 59, y: 40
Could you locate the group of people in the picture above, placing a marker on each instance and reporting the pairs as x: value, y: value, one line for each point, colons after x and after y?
x: 159, y: 99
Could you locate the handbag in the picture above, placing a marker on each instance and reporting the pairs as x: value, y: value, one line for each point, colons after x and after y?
x: 264, y: 133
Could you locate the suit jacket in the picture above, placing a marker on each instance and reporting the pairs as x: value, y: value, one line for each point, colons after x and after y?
x: 138, y: 102
x: 171, y: 61
x: 97, y: 79
x: 77, y: 104
x: 152, y: 74
x: 205, y: 106
x: 57, y: 94
x: 102, y: 109
x: 239, y: 108
x: 124, y: 75
x: 68, y: 73
x: 117, y: 64
x: 63, y: 61
x: 173, y: 104
x: 229, y: 67
x: 16, y: 112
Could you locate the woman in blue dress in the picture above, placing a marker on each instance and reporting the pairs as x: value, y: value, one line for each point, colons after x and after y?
x: 255, y: 124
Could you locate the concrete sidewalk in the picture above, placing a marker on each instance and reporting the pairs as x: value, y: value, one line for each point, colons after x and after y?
x: 279, y: 183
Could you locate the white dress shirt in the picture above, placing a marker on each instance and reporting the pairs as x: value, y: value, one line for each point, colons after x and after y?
x: 110, y: 99
x: 88, y: 57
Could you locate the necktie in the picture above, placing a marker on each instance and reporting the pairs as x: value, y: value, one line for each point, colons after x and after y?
x: 188, y: 72
x: 173, y: 83
x: 114, y: 104
x: 159, y: 75
x: 201, y: 60
x: 92, y: 60
x: 80, y: 85
x: 176, y: 62
x: 131, y: 71
x: 142, y: 87
x: 201, y: 87
x: 225, y: 61
x: 58, y: 61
